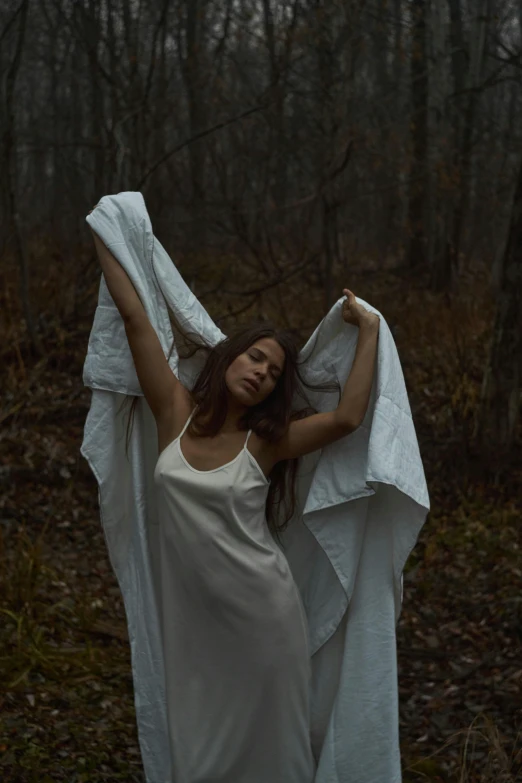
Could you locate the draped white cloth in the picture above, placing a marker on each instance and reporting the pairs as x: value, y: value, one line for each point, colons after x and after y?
x: 362, y: 502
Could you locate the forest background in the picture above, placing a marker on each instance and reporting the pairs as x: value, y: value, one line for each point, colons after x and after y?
x: 286, y: 150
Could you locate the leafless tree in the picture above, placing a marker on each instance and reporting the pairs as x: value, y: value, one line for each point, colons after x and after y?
x: 302, y: 135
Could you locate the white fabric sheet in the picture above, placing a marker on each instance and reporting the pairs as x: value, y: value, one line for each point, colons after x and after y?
x: 362, y: 503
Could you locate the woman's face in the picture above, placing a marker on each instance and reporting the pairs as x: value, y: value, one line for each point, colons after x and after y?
x: 262, y: 364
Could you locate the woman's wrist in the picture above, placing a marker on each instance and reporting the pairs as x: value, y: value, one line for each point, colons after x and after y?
x: 369, y: 321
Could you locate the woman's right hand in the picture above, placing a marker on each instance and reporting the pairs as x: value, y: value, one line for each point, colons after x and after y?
x: 354, y: 313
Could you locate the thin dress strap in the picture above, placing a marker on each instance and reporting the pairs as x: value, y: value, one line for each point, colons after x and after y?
x: 187, y: 423
x: 247, y: 437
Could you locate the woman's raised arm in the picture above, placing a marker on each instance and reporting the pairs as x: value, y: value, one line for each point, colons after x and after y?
x: 120, y: 287
x: 160, y: 386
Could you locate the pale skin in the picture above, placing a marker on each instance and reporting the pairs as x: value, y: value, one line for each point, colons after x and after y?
x: 263, y: 362
x: 171, y: 403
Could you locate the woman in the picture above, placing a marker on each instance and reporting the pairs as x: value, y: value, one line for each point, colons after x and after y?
x: 233, y: 625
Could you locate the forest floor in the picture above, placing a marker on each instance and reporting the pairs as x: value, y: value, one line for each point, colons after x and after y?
x: 66, y: 696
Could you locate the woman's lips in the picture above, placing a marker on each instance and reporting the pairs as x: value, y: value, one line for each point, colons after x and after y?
x: 251, y: 386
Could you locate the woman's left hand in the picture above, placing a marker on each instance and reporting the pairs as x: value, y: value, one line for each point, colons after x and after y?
x: 354, y: 313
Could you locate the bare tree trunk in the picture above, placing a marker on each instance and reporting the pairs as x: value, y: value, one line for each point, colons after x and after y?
x: 326, y: 78
x: 91, y: 26
x: 325, y: 73
x: 10, y: 178
x: 503, y: 230
x: 277, y: 158
x: 399, y: 43
x: 444, y: 273
x: 439, y: 131
x: 401, y: 79
x: 499, y: 409
x: 467, y: 66
x: 476, y: 53
x: 330, y: 249
x: 417, y: 245
x: 193, y: 61
x: 114, y: 154
x: 279, y: 58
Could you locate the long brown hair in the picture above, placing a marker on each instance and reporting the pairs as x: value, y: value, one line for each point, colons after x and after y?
x: 269, y: 419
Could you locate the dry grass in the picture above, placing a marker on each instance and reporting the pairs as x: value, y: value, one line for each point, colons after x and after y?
x: 66, y: 698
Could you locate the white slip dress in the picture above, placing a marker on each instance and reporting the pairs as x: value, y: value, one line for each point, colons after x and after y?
x: 235, y: 633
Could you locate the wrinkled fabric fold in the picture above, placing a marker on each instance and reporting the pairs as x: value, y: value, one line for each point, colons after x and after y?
x: 362, y: 502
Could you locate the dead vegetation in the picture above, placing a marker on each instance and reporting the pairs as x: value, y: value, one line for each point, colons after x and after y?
x: 66, y: 698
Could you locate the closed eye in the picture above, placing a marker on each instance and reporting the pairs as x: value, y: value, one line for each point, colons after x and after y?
x: 275, y: 375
